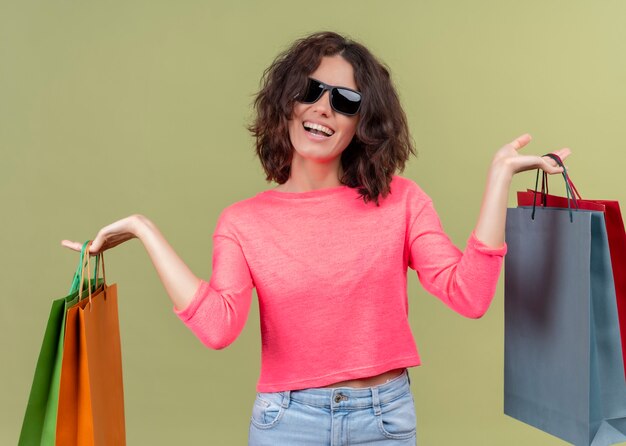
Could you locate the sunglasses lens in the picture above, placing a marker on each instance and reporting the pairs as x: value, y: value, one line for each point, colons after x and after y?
x: 346, y: 101
x: 343, y: 100
x: 313, y: 92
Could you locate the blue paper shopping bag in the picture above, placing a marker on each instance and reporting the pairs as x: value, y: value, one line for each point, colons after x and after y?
x: 563, y: 369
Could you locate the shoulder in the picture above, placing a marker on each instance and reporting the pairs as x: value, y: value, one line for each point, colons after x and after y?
x: 237, y: 215
x: 407, y: 188
x: 239, y: 209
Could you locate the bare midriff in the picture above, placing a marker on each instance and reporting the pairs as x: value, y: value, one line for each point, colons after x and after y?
x: 368, y: 382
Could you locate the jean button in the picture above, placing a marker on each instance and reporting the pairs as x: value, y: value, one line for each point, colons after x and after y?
x: 339, y: 397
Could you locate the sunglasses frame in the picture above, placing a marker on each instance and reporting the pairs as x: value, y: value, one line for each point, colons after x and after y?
x: 331, y: 88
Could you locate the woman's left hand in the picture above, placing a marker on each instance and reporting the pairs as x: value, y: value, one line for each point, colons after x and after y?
x: 509, y: 158
x: 507, y: 162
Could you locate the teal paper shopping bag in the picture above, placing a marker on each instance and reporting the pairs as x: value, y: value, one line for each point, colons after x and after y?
x: 563, y: 369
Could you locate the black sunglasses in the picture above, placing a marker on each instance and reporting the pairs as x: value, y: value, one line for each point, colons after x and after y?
x: 343, y: 100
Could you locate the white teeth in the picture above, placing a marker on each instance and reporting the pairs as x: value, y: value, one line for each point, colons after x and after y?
x: 321, y: 128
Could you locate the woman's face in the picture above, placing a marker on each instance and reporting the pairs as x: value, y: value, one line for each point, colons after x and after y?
x: 333, y: 70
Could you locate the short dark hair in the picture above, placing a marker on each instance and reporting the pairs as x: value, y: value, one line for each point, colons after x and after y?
x: 382, y: 143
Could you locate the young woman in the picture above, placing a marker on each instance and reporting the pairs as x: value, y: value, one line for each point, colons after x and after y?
x: 328, y: 251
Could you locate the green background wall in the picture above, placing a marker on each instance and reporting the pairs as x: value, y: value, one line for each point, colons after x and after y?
x: 114, y: 108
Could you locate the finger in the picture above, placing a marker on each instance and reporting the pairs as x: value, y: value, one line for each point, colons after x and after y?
x: 550, y: 165
x: 521, y: 141
x: 76, y: 246
x: 94, y: 249
x: 97, y: 244
x: 563, y: 153
x: 71, y: 245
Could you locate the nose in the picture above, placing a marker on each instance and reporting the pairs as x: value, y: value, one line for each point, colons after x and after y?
x: 322, y: 105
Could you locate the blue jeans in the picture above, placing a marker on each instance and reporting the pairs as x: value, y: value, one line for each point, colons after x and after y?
x: 381, y: 415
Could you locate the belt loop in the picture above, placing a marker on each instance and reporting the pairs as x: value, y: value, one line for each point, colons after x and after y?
x: 376, y: 401
x: 286, y: 398
x: 408, y: 376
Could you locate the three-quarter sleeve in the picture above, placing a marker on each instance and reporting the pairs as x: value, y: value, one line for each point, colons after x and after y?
x: 465, y: 281
x: 219, y: 308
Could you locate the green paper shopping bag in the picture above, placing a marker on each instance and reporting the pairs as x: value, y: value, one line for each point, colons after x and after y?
x: 39, y: 425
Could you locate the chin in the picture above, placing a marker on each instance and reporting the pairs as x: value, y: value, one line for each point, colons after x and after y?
x: 316, y: 156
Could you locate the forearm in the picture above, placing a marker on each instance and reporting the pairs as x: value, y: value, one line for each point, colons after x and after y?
x: 492, y: 218
x: 179, y: 281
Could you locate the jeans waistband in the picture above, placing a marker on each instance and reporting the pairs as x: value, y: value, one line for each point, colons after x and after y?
x: 351, y: 397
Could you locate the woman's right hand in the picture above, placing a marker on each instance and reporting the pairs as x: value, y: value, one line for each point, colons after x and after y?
x: 110, y: 236
x: 180, y: 282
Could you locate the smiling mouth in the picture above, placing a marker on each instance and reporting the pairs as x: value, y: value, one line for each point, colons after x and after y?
x: 317, y: 129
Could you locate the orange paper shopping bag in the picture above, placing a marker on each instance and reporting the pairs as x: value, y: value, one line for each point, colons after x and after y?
x: 91, y: 395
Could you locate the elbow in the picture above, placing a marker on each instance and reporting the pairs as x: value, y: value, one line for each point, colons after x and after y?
x: 219, y: 344
x: 213, y: 335
x: 219, y: 320
x: 473, y: 313
x: 467, y: 308
x: 473, y: 306
x: 217, y: 341
x: 473, y: 302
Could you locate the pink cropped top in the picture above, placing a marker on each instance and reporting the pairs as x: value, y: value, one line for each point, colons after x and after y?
x: 330, y: 274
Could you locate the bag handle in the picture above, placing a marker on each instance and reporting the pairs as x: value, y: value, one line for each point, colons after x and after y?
x: 99, y: 256
x: 569, y: 186
x: 568, y: 177
x: 75, y: 286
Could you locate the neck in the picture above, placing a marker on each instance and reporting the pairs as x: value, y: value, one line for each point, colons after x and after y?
x: 307, y: 175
